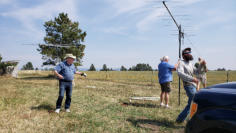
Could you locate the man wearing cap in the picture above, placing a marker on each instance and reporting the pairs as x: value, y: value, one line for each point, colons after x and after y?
x: 165, y: 77
x: 186, y: 71
x: 65, y: 72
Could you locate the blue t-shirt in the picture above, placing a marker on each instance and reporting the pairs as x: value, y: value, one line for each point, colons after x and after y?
x: 165, y: 72
x: 66, y: 70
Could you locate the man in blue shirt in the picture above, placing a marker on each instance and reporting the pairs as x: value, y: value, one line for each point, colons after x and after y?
x: 65, y: 72
x: 165, y: 77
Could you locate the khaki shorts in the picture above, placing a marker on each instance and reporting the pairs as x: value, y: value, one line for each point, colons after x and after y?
x: 165, y: 87
x: 202, y: 79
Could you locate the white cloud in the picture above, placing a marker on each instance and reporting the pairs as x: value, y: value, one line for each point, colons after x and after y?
x: 45, y: 11
x: 145, y: 23
x: 185, y: 2
x: 216, y: 17
x: 152, y: 15
x: 124, y: 6
x: 115, y: 30
x: 5, y: 2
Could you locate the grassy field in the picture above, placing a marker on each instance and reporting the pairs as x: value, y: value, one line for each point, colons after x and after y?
x: 100, y: 103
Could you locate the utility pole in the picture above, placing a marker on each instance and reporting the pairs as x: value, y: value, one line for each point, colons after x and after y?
x: 181, y: 35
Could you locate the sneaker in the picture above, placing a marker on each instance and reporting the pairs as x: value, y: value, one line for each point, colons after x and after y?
x: 68, y: 110
x: 57, y: 111
x: 167, y: 106
x: 162, y: 104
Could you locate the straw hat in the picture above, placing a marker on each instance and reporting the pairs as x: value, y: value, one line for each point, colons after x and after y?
x: 70, y: 56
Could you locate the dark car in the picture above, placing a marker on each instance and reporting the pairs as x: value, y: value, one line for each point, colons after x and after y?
x: 213, y: 110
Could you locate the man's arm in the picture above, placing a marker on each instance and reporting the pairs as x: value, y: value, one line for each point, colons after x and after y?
x: 176, y: 66
x: 58, y: 75
x: 184, y: 76
x: 77, y: 72
x: 81, y: 73
x: 57, y: 69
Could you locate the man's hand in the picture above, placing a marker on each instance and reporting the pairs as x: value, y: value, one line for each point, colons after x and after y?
x: 60, y: 76
x: 177, y: 64
x: 84, y: 74
x: 195, y: 80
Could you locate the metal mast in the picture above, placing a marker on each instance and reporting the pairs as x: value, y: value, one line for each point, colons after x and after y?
x: 181, y: 35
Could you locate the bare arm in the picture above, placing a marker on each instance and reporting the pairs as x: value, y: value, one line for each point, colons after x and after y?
x: 81, y: 73
x: 58, y: 75
x: 78, y: 73
x: 176, y: 66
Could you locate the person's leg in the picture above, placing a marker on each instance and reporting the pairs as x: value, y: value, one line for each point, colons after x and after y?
x: 61, y: 95
x: 162, y: 98
x: 167, y: 91
x: 166, y: 98
x: 190, y: 91
x: 162, y: 94
x: 68, y: 95
x: 199, y: 84
x: 204, y: 81
x: 204, y: 84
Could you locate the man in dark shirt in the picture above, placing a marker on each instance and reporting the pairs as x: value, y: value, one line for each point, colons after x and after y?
x: 65, y: 72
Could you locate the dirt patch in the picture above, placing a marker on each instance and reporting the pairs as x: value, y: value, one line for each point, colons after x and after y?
x: 51, y: 111
x: 179, y: 130
x: 124, y: 104
x: 152, y: 127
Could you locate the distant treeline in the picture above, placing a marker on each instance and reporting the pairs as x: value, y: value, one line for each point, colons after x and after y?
x: 138, y: 67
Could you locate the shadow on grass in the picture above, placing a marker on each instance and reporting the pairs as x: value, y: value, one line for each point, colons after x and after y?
x: 146, y: 105
x: 49, y: 77
x: 155, y: 124
x: 47, y: 107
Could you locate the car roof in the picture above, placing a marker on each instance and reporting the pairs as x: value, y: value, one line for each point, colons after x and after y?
x: 229, y: 85
x: 228, y: 91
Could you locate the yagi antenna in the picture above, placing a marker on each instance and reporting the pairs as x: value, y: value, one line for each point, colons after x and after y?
x: 180, y: 36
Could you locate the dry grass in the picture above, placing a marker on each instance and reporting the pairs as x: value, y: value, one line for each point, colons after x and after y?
x: 100, y: 103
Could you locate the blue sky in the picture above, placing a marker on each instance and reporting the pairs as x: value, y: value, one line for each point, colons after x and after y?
x: 124, y: 32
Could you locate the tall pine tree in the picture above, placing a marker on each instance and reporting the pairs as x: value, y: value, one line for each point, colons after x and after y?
x: 62, y: 31
x: 123, y: 68
x: 104, y: 68
x: 92, y: 68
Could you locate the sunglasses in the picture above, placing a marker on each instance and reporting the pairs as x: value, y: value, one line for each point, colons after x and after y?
x: 187, y: 52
